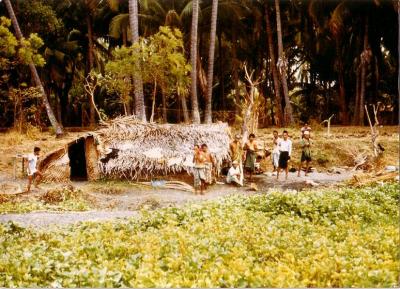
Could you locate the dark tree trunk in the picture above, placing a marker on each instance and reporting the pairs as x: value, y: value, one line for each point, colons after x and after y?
x: 356, y: 115
x: 278, y: 99
x: 164, y: 105
x: 343, y: 109
x: 221, y: 71
x: 186, y: 118
x: 235, y: 75
x: 364, y: 65
x: 288, y: 105
x: 90, y: 52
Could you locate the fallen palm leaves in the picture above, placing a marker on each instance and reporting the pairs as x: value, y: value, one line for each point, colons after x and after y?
x: 174, y: 185
x: 366, y: 178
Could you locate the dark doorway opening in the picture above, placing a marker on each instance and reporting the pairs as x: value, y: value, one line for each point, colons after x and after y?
x: 77, y: 160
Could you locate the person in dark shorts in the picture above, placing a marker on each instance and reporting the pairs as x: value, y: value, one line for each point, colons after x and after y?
x: 305, y: 153
x: 285, y: 151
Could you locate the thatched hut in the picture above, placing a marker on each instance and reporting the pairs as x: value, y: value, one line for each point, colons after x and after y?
x: 128, y: 149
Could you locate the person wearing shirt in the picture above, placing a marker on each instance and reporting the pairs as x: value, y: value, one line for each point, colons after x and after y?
x: 275, y: 151
x: 33, y: 172
x: 234, y: 174
x: 285, y: 151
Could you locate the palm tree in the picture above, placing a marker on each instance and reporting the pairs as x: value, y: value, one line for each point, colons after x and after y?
x: 193, y: 62
x: 139, y: 98
x: 275, y: 75
x: 365, y: 57
x: 57, y: 128
x: 283, y: 66
x: 210, y: 72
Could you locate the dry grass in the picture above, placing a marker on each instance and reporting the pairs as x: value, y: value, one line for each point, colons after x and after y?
x: 340, y: 148
x: 327, y: 151
x: 12, y: 143
x: 108, y: 187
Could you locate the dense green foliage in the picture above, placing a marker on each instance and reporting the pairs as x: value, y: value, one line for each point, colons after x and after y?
x: 338, y: 55
x: 329, y: 238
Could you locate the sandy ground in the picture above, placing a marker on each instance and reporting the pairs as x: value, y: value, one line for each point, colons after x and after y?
x: 127, y: 203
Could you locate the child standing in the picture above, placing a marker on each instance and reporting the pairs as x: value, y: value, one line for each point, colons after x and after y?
x: 33, y: 172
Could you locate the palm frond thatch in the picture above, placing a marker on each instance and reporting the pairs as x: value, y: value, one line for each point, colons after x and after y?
x: 129, y: 149
x: 159, y: 149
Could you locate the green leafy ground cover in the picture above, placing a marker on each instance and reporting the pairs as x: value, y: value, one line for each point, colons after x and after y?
x: 336, y: 238
x: 60, y: 199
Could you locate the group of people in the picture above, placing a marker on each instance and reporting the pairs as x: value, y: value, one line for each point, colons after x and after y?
x: 244, y: 156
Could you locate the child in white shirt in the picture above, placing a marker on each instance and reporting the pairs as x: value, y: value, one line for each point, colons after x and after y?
x: 33, y: 172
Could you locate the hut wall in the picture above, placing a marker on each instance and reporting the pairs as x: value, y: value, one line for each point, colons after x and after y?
x: 92, y: 157
x: 55, y: 167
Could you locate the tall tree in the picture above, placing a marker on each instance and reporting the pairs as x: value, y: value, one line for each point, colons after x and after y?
x: 193, y: 62
x: 282, y: 64
x: 57, y: 128
x: 139, y: 98
x: 365, y: 57
x: 275, y: 75
x: 210, y: 72
x: 90, y: 60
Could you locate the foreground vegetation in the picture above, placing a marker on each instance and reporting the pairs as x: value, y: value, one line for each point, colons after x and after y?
x: 59, y: 199
x: 334, y: 238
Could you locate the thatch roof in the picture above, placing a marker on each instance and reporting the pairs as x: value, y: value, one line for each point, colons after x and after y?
x: 128, y: 148
x: 156, y: 149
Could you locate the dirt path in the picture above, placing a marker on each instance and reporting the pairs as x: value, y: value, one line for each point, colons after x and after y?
x: 45, y: 219
x: 127, y: 203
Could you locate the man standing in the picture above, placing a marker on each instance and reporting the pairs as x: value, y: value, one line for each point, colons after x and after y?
x: 251, y: 154
x: 33, y: 172
x: 285, y: 151
x: 199, y: 170
x: 275, y: 151
x: 234, y: 174
x: 236, y: 149
x: 305, y: 153
x: 305, y: 128
x: 209, y: 164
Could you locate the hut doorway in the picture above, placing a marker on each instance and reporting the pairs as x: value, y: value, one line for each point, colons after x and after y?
x: 77, y: 161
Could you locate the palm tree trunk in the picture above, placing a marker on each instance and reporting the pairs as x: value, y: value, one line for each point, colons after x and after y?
x: 275, y: 75
x: 50, y: 114
x: 210, y: 72
x: 193, y: 62
x: 137, y: 80
x: 235, y: 74
x: 281, y: 56
x: 184, y: 107
x: 356, y: 116
x: 89, y: 23
x: 221, y: 70
x: 364, y: 64
x: 343, y: 109
x: 396, y: 107
x: 164, y: 105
